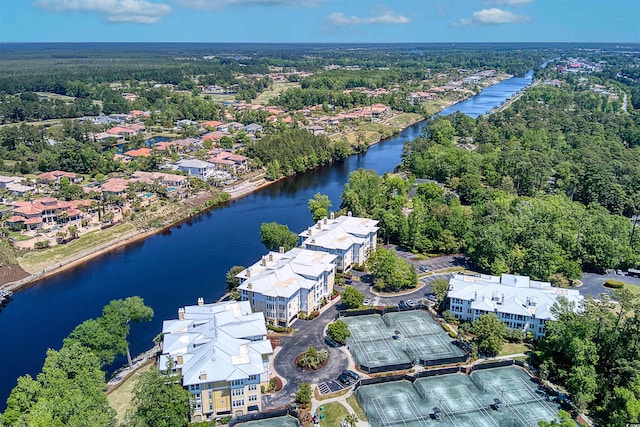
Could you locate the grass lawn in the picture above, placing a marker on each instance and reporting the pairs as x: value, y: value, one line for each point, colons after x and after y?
x: 19, y: 237
x: 120, y: 398
x: 279, y: 87
x: 404, y: 119
x: 355, y: 405
x: 514, y: 348
x: 634, y: 289
x: 36, y: 261
x: 334, y: 413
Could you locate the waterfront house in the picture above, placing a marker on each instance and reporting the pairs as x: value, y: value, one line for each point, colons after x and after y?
x: 230, y: 161
x: 46, y: 210
x: 518, y: 301
x: 222, y: 353
x: 350, y: 238
x: 284, y: 284
x: 196, y: 168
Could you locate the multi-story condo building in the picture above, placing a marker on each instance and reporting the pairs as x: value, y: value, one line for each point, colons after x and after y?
x: 518, y: 301
x: 284, y: 284
x: 222, y: 352
x: 350, y: 238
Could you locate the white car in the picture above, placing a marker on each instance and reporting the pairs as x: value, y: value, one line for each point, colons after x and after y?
x: 366, y: 301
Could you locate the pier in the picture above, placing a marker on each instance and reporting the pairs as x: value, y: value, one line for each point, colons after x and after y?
x: 5, y: 297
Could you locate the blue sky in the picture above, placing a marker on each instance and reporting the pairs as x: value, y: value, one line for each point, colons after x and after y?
x: 320, y: 21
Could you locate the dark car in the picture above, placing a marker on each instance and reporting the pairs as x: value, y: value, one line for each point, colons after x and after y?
x: 344, y: 379
x: 402, y: 304
x: 330, y: 342
x: 351, y: 374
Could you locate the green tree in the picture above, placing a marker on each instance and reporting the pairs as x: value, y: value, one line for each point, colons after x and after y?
x: 68, y: 392
x: 274, y: 236
x: 351, y: 297
x: 159, y: 400
x: 233, y: 282
x: 394, y: 272
x: 338, y: 331
x: 313, y: 358
x: 117, y: 316
x: 440, y: 288
x: 565, y: 420
x: 319, y: 206
x: 489, y: 332
x: 303, y: 396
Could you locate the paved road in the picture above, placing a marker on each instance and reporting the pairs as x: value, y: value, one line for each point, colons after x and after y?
x: 592, y: 283
x: 307, y: 333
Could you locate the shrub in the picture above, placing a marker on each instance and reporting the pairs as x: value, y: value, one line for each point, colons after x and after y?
x: 338, y: 331
x: 613, y: 284
x: 225, y: 420
x: 275, y: 328
x: 302, y: 315
x: 41, y: 245
x: 275, y: 384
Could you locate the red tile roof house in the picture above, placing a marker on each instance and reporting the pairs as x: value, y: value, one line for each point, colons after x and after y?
x: 116, y: 186
x: 229, y: 161
x: 47, y: 210
x: 54, y: 176
x: 140, y: 152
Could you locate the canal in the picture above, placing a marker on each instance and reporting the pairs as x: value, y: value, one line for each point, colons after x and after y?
x: 174, y: 268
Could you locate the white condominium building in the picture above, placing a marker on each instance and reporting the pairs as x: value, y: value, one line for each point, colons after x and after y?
x: 281, y: 285
x: 350, y: 238
x: 518, y: 301
x: 222, y: 352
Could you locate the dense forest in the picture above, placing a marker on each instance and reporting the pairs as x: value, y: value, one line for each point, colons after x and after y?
x: 545, y: 188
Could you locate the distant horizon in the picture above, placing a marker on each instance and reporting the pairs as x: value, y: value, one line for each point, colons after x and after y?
x: 634, y: 43
x: 320, y: 21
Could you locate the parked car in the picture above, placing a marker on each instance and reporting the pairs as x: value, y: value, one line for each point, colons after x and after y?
x: 619, y: 272
x: 354, y: 376
x: 410, y: 303
x: 402, y: 304
x: 330, y: 342
x: 432, y: 298
x: 344, y: 379
x: 366, y: 301
x: 424, y: 268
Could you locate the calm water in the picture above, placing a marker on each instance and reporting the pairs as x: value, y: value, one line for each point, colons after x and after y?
x: 491, y: 97
x: 173, y: 269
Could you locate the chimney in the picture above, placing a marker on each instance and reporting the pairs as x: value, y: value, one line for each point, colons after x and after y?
x: 303, y: 246
x: 333, y: 216
x: 271, y: 256
x: 326, y: 221
x: 180, y: 359
x: 200, y: 301
x: 181, y: 313
x: 264, y: 261
x: 349, y: 213
x: 319, y: 225
x: 310, y: 231
x: 248, y: 272
x: 281, y: 249
x: 203, y: 375
x: 250, y: 286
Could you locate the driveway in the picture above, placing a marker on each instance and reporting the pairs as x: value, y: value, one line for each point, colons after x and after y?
x: 307, y: 333
x: 592, y: 283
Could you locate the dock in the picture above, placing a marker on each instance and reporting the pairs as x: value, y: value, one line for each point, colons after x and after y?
x: 5, y: 297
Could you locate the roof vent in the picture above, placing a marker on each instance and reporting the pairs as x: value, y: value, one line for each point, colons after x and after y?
x: 281, y: 249
x: 200, y: 301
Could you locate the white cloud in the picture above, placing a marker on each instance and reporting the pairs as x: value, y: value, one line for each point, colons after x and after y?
x: 115, y: 11
x: 379, y: 16
x: 493, y: 16
x: 508, y: 2
x: 217, y: 4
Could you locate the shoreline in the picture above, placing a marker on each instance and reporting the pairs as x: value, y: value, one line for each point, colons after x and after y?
x: 240, y: 190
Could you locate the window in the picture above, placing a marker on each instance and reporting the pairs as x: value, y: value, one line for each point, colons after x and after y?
x: 253, y: 377
x: 236, y: 383
x: 237, y: 392
x: 252, y: 387
x: 253, y: 398
x: 237, y: 403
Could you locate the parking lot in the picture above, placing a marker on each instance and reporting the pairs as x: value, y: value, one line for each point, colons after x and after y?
x: 593, y: 283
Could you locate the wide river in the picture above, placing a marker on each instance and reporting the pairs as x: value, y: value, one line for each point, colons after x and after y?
x: 174, y: 268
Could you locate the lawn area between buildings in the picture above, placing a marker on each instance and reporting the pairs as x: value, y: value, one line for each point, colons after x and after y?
x: 355, y: 405
x: 514, y: 348
x: 277, y: 88
x: 33, y: 262
x: 120, y: 398
x: 334, y: 413
x: 405, y: 119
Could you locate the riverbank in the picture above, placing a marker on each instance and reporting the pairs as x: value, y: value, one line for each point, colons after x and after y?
x: 235, y: 192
